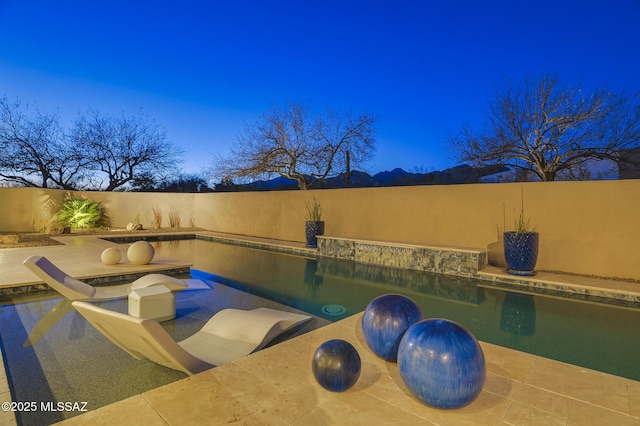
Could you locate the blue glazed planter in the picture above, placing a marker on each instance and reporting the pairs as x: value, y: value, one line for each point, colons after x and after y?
x: 441, y: 363
x: 312, y: 229
x: 521, y: 252
x: 336, y: 365
x: 385, y: 321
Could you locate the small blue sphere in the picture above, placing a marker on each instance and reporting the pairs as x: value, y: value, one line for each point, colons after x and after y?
x: 384, y: 322
x: 441, y: 363
x: 336, y: 365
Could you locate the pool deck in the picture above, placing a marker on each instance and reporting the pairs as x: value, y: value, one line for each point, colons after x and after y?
x: 275, y: 386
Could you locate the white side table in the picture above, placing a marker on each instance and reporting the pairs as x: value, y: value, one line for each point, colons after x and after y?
x: 156, y: 302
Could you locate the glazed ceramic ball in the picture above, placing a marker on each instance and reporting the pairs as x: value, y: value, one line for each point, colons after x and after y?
x: 140, y: 253
x: 336, y: 365
x: 111, y: 256
x: 384, y: 322
x: 441, y: 363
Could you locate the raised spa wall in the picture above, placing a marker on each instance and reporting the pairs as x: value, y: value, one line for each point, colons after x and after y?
x: 464, y: 262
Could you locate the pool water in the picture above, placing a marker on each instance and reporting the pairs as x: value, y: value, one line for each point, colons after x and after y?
x: 52, y: 354
x: 593, y: 335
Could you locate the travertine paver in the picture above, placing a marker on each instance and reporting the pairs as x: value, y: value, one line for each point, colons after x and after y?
x: 276, y: 386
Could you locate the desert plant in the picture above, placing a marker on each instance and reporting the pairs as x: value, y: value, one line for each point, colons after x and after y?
x: 314, y: 210
x: 157, y: 217
x: 81, y: 212
x: 174, y: 219
x: 522, y: 224
x: 43, y: 228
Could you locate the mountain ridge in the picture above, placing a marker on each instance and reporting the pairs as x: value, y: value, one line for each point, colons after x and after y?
x: 397, y: 177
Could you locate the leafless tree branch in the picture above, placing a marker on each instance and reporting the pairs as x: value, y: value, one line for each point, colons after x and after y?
x: 124, y: 147
x: 548, y: 128
x: 289, y: 142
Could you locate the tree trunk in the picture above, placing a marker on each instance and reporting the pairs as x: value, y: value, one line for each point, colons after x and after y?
x: 347, y: 173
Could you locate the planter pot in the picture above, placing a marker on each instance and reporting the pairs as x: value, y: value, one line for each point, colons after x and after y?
x: 521, y: 252
x: 312, y: 230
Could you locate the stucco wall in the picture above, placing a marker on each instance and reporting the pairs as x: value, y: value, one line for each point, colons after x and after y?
x: 124, y: 207
x: 585, y: 227
x: 24, y: 209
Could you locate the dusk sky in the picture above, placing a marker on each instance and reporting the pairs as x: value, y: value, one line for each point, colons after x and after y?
x: 201, y: 69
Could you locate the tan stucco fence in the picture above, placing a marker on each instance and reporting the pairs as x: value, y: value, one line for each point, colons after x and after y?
x: 590, y: 228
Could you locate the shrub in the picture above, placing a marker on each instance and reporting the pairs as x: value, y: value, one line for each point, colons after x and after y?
x: 81, y: 212
x: 314, y: 210
x: 157, y: 217
x: 174, y: 219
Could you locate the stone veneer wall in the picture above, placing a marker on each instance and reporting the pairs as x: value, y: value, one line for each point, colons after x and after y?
x: 442, y: 260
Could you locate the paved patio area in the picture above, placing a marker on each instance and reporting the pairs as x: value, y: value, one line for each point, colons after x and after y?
x: 276, y: 386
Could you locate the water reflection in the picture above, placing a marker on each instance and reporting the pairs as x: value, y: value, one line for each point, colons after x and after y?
x: 449, y: 287
x: 311, y: 276
x: 51, y: 318
x: 518, y: 315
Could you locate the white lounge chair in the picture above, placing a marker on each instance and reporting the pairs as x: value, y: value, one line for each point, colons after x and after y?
x: 228, y: 335
x: 74, y: 289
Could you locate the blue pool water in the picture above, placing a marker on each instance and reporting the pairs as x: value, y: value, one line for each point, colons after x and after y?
x: 594, y: 335
x: 52, y: 354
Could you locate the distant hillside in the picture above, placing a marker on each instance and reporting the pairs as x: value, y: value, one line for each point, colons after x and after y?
x: 396, y: 177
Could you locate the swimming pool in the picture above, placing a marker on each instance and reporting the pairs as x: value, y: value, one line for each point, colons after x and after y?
x: 68, y: 361
x: 53, y: 355
x: 593, y: 335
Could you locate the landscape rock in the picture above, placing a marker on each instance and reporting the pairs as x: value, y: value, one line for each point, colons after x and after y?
x: 57, y: 230
x: 9, y: 239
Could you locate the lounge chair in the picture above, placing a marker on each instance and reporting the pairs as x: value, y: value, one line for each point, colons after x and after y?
x: 74, y: 289
x: 228, y: 335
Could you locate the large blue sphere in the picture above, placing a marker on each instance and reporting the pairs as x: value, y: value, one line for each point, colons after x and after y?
x: 336, y: 365
x: 441, y: 363
x: 384, y: 322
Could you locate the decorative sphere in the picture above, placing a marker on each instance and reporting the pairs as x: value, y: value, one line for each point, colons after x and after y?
x: 111, y: 256
x: 384, y: 322
x: 441, y: 363
x: 140, y: 253
x: 336, y: 365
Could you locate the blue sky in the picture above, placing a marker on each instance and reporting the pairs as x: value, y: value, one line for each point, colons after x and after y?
x: 203, y: 68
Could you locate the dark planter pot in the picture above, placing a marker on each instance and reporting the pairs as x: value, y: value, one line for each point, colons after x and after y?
x: 521, y: 252
x: 312, y: 230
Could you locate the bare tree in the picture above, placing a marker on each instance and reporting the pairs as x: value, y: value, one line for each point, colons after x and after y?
x: 33, y: 150
x: 550, y: 128
x: 288, y: 141
x: 121, y: 148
